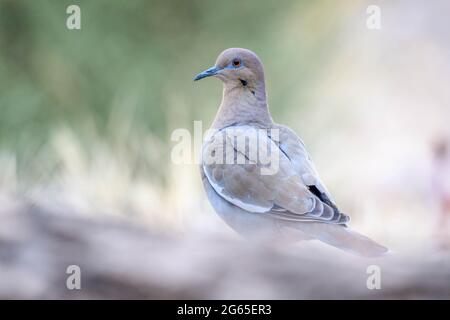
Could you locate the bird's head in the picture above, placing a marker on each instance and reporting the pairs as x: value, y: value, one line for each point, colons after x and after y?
x: 236, y: 67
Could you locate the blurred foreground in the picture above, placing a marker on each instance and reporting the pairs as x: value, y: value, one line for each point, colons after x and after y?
x: 121, y: 260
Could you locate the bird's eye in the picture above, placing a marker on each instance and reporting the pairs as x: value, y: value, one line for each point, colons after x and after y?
x: 236, y: 63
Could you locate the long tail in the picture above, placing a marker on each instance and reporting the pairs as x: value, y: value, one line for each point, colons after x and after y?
x: 343, y: 238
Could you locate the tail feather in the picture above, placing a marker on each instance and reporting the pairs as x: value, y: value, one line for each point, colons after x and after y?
x: 343, y: 238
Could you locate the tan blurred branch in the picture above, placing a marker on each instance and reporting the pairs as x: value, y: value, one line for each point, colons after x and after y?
x: 122, y: 260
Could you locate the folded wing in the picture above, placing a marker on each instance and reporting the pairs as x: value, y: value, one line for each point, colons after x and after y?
x: 253, y: 170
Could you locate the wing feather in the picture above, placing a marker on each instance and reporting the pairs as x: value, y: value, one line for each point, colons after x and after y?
x: 236, y: 172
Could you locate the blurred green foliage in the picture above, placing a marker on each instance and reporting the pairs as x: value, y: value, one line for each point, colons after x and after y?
x: 137, y: 58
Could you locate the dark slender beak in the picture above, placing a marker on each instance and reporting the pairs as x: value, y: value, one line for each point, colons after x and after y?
x: 207, y: 73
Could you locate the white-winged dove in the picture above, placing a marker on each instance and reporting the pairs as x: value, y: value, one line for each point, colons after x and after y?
x: 288, y: 201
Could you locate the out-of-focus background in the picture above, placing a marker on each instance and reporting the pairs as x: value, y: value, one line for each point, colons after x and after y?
x: 86, y: 115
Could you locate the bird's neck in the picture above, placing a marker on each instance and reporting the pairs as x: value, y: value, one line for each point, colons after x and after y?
x: 243, y: 104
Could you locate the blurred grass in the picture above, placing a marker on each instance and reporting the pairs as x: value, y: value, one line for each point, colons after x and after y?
x: 127, y: 73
